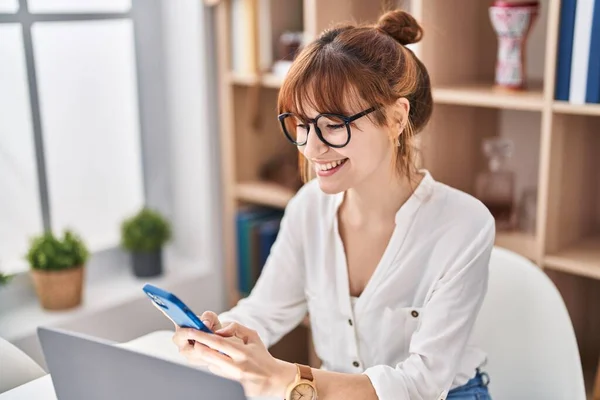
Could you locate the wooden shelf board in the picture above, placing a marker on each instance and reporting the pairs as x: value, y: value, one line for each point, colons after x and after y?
x: 264, y: 193
x: 564, y: 107
x: 486, y: 95
x: 268, y: 80
x: 582, y: 258
x: 522, y: 243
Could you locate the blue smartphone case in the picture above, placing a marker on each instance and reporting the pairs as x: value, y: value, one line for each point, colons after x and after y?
x: 174, y: 309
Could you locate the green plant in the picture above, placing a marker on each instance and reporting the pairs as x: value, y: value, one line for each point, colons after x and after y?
x: 4, y: 279
x: 50, y: 253
x: 146, y: 231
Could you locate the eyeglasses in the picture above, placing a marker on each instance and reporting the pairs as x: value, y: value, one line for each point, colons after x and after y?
x: 332, y: 129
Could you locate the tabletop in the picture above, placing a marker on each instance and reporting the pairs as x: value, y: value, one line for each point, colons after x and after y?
x: 157, y: 344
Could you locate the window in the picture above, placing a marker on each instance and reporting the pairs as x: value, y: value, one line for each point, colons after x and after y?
x: 9, y: 6
x: 70, y: 147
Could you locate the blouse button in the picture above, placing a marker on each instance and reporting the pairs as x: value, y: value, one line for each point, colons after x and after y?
x: 356, y: 364
x: 350, y: 322
x: 414, y: 313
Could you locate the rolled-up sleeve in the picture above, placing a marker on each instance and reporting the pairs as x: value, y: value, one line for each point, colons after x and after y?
x: 448, y: 317
x: 277, y: 303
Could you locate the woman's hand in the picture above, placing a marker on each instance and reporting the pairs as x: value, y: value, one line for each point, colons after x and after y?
x: 247, y: 360
x: 208, y: 318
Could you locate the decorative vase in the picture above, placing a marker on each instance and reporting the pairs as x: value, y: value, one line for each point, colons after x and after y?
x: 512, y: 21
x: 59, y: 290
x: 147, y: 264
x: 495, y: 186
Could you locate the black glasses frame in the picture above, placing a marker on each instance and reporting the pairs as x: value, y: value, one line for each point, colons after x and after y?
x: 347, y: 122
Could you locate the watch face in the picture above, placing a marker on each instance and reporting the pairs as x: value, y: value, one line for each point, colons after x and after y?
x: 303, y: 391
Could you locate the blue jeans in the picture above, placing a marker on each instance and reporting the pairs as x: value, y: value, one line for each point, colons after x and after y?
x: 474, y: 389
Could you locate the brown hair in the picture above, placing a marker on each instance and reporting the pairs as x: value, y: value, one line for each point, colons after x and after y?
x: 368, y: 65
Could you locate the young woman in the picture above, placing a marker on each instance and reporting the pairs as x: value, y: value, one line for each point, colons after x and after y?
x: 391, y: 265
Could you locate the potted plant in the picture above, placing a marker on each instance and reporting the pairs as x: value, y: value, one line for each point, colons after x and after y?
x: 144, y: 235
x: 57, y: 268
x: 4, y: 278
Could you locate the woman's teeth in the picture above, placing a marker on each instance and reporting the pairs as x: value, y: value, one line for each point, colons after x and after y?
x: 328, y: 166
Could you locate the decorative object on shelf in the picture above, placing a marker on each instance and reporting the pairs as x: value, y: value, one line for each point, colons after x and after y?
x: 144, y: 236
x: 283, y: 170
x: 512, y: 21
x: 495, y: 187
x: 57, y: 269
x: 290, y: 44
x: 527, y: 214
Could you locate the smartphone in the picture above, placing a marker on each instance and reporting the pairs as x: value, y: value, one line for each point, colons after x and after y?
x: 174, y: 309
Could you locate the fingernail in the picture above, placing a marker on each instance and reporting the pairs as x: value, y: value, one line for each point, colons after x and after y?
x: 207, y: 323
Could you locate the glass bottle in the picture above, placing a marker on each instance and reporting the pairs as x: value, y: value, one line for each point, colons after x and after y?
x: 495, y: 186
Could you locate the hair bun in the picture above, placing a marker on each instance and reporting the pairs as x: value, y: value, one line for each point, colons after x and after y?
x: 401, y: 26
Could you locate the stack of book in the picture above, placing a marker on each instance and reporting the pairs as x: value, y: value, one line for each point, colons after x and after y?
x: 578, y: 58
x: 257, y: 229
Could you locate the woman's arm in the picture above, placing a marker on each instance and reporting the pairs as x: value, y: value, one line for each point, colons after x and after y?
x: 249, y: 362
x: 338, y: 386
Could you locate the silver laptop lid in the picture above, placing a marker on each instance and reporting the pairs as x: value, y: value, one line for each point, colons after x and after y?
x: 87, y: 368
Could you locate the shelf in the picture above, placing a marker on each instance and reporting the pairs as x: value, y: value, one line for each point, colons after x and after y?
x: 268, y: 80
x: 565, y: 107
x: 582, y: 258
x: 264, y: 193
x: 522, y: 243
x: 486, y: 95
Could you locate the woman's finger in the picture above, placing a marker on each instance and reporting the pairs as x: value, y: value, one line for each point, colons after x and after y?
x: 213, y: 358
x: 187, y: 351
x: 232, y: 348
x: 211, y: 320
x: 179, y: 338
x: 242, y: 332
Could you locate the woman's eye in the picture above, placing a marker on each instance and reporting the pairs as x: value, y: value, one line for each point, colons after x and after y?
x: 301, y: 126
x: 333, y: 127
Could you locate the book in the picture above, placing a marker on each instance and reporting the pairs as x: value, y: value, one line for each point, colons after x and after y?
x: 268, y: 232
x: 256, y: 245
x: 581, y: 51
x: 593, y: 76
x: 247, y: 222
x: 565, y: 49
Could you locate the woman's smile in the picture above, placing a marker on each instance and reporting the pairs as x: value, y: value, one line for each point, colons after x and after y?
x: 328, y: 168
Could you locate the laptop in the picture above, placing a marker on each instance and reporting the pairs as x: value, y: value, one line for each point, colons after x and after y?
x: 87, y: 368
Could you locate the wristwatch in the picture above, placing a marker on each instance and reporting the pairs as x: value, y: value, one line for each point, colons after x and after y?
x: 303, y: 387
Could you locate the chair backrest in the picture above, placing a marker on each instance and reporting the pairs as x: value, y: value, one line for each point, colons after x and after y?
x: 16, y: 367
x: 525, y: 329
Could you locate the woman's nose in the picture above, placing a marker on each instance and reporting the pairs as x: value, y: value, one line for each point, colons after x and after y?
x: 314, y: 146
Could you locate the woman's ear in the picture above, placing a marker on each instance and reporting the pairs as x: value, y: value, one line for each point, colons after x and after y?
x: 401, y: 111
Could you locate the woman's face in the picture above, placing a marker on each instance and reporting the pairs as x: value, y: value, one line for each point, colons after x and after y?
x: 368, y: 154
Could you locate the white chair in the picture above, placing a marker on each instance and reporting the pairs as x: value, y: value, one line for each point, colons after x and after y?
x: 525, y: 329
x: 16, y: 367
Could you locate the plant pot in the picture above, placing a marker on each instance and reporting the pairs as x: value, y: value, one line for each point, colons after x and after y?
x: 147, y: 264
x: 59, y: 290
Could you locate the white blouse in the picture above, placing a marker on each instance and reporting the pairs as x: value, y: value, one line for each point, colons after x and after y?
x: 409, y: 331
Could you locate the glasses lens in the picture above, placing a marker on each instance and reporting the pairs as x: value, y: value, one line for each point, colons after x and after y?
x: 295, y: 128
x: 333, y: 129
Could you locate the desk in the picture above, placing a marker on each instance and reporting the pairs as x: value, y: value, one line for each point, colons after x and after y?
x: 157, y: 344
